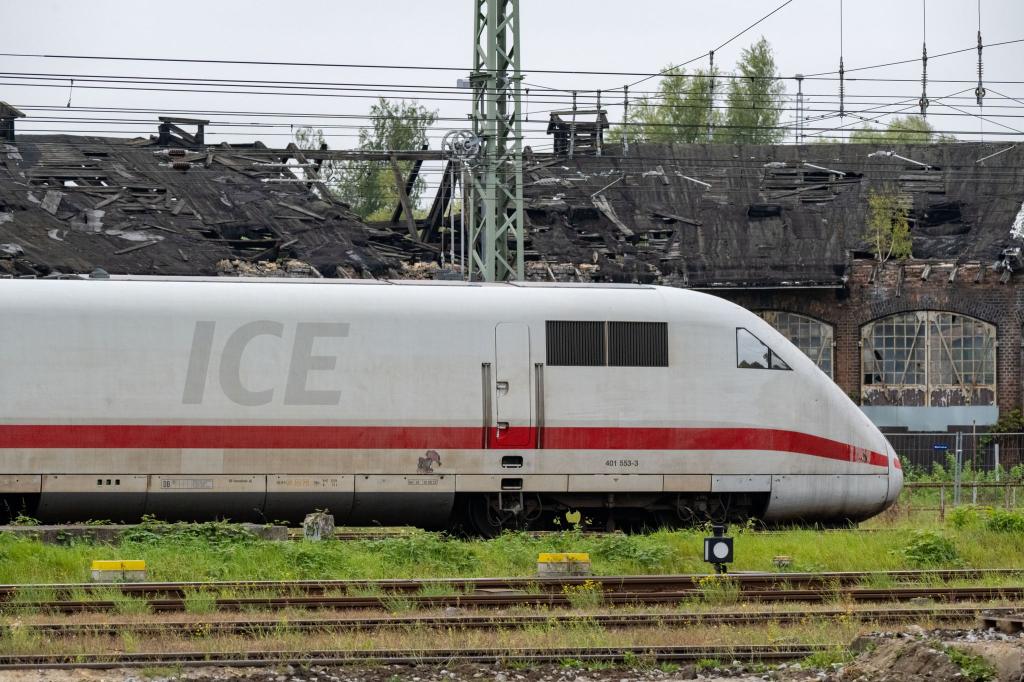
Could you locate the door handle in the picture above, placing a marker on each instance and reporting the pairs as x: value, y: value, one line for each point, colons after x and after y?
x: 503, y: 426
x: 502, y: 387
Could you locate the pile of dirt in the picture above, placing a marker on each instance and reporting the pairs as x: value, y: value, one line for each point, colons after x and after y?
x: 901, y: 660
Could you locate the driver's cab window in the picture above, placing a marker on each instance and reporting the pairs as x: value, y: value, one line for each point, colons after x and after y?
x: 753, y: 353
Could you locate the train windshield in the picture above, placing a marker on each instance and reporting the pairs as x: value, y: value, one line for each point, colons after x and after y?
x: 753, y: 353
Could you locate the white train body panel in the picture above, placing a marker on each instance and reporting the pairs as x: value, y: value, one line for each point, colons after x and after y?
x: 193, y: 396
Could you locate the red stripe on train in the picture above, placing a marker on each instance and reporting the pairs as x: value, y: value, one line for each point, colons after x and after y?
x: 81, y: 436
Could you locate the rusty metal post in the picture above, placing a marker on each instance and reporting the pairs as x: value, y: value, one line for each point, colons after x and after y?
x: 942, y: 502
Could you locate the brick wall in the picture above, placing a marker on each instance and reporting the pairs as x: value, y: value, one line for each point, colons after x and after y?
x: 874, y: 291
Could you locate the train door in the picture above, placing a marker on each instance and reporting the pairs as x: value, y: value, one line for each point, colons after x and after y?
x: 513, y: 418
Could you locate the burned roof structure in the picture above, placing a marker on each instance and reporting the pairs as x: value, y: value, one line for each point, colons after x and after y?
x: 726, y: 216
x: 171, y: 205
x: 702, y: 216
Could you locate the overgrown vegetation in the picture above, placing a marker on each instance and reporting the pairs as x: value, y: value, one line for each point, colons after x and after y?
x: 220, y: 551
x: 708, y: 106
x: 888, y: 226
x: 369, y: 186
x: 911, y: 129
x: 926, y: 549
x: 974, y: 668
x: 990, y: 518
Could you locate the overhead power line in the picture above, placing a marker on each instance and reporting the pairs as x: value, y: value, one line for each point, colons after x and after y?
x: 711, y: 52
x: 416, y: 67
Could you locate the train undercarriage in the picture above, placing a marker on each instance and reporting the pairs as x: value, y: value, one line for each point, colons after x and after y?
x: 477, y: 514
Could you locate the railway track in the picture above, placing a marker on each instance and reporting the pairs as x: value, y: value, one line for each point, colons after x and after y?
x: 514, y: 598
x: 207, y: 627
x: 255, y: 658
x: 471, y: 586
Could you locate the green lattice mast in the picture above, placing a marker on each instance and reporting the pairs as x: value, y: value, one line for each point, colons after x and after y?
x: 496, y: 191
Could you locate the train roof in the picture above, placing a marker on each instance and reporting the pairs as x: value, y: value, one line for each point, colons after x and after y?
x: 339, y: 281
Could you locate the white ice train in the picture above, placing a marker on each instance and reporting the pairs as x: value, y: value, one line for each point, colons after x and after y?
x: 428, y: 403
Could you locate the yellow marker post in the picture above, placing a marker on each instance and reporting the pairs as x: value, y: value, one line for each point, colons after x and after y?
x: 118, y: 570
x: 557, y: 564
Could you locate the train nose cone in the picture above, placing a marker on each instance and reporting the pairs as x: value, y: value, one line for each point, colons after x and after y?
x: 895, y: 477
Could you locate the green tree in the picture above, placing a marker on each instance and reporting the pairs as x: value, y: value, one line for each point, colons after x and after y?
x: 679, y: 112
x: 685, y: 105
x: 912, y: 129
x: 369, y: 186
x: 307, y: 137
x: 888, y: 228
x: 755, y: 98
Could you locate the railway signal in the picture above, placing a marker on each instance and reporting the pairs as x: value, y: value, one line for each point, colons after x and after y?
x: 718, y: 549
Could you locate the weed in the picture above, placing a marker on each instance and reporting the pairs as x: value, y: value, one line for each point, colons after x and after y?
x: 439, y: 589
x: 639, y: 550
x: 398, y: 604
x: 200, y: 601
x: 974, y: 668
x: 24, y: 520
x: 877, y: 581
x: 708, y: 664
x: 827, y: 658
x: 668, y: 668
x: 163, y: 671
x: 517, y: 664
x: 364, y: 590
x: 964, y: 517
x: 928, y: 548
x: 1003, y: 521
x: 719, y: 589
x: 127, y: 605
x: 587, y: 595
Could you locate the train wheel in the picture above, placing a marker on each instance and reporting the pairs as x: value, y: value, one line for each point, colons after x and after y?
x: 486, y: 519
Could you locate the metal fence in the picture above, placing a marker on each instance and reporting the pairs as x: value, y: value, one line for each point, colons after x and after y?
x: 943, y: 496
x: 996, y: 454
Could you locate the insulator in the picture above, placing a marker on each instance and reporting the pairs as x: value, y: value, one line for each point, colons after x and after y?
x: 923, y: 102
x: 842, y: 103
x: 979, y: 92
x: 181, y: 165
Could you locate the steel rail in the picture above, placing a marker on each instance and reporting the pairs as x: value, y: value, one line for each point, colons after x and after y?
x: 516, y: 598
x: 636, y: 583
x: 471, y: 622
x: 408, y: 657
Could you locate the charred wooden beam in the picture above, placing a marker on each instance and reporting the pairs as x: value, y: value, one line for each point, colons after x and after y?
x: 410, y: 182
x: 403, y: 197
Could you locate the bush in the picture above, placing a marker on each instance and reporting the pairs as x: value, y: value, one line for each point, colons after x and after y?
x: 928, y: 548
x: 152, y: 531
x: 962, y: 517
x: 1003, y: 521
x: 974, y: 668
x: 645, y: 552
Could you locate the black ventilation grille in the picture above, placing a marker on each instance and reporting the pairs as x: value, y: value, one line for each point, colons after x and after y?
x: 638, y: 344
x: 575, y: 344
x: 607, y: 344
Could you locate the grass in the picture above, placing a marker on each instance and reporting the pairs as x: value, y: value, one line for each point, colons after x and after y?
x: 210, y: 552
x: 200, y: 601
x: 974, y: 668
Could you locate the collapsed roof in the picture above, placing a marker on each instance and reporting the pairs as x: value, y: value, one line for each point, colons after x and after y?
x: 726, y: 216
x: 71, y: 204
x: 704, y: 216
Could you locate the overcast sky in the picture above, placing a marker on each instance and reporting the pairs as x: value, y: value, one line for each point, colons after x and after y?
x: 597, y: 35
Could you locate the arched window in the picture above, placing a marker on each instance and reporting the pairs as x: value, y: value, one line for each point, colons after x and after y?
x: 811, y: 336
x: 928, y: 358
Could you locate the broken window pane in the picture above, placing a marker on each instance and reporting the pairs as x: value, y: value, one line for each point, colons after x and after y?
x: 928, y: 358
x: 811, y: 336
